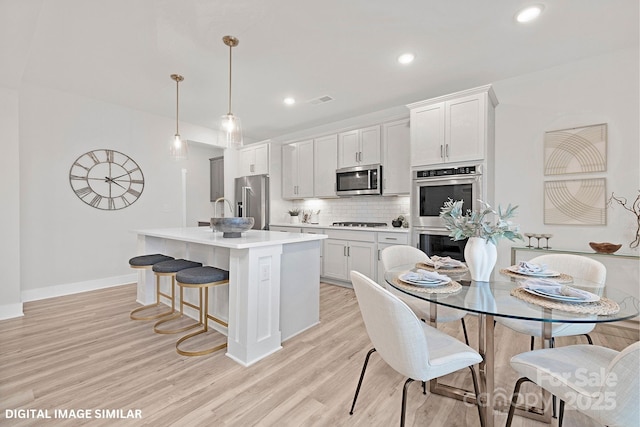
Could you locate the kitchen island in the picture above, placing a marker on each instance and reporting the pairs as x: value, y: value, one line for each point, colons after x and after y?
x: 274, y: 283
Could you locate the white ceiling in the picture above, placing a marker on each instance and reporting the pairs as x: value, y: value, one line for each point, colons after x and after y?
x: 123, y: 51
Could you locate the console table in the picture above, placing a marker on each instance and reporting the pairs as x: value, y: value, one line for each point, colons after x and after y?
x: 623, y: 270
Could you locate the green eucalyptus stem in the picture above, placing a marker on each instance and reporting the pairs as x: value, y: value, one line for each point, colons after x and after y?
x: 463, y: 225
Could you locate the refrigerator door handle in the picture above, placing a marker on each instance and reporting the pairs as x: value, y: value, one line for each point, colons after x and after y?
x: 244, y: 200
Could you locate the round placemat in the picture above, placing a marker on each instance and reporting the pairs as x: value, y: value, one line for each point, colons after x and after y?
x: 562, y: 278
x: 449, y: 288
x: 455, y: 270
x: 602, y: 307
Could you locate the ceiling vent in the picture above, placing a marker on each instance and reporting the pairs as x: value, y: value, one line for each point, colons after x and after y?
x: 320, y: 100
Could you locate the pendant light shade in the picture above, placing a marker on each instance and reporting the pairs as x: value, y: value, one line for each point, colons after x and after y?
x: 178, y: 147
x: 230, y: 127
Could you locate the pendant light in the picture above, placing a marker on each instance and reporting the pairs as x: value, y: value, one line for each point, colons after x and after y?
x: 230, y: 127
x: 178, y: 147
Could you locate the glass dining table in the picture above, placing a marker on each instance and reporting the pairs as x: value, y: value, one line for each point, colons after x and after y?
x: 494, y: 299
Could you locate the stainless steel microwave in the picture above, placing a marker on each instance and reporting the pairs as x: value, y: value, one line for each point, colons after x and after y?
x: 359, y: 180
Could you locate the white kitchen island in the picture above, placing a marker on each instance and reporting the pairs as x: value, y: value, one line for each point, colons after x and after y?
x: 274, y: 283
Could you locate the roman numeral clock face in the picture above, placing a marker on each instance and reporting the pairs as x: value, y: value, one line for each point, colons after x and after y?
x: 106, y: 179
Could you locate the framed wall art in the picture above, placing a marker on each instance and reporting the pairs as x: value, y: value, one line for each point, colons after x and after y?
x: 575, y: 202
x: 576, y: 150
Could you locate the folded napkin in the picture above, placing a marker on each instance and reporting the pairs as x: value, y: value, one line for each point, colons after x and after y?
x: 530, y: 267
x: 551, y: 287
x: 445, y: 261
x: 424, y: 276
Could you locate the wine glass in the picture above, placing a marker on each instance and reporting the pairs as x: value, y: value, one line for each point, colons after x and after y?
x: 538, y: 236
x: 529, y: 235
x: 547, y: 236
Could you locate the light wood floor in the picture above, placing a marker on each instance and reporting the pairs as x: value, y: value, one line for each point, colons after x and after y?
x: 83, y: 352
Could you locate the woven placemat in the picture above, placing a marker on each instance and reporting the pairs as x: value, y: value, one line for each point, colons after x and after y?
x: 562, y: 278
x: 449, y: 288
x: 456, y: 270
x: 602, y: 307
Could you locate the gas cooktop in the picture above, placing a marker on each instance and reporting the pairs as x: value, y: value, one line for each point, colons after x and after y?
x: 359, y: 224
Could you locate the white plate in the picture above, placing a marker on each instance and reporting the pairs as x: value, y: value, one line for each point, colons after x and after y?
x: 564, y: 298
x: 546, y: 273
x: 430, y: 283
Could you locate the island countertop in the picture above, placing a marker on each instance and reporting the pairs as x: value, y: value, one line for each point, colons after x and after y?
x: 249, y: 239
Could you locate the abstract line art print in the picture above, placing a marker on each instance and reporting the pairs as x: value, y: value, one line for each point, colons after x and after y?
x: 575, y: 202
x: 576, y: 150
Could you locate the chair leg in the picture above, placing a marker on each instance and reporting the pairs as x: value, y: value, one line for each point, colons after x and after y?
x: 404, y: 400
x: 561, y: 416
x: 424, y: 387
x: 476, y: 390
x: 514, y: 399
x: 589, y: 339
x: 364, y: 368
x: 532, y: 339
x: 464, y: 330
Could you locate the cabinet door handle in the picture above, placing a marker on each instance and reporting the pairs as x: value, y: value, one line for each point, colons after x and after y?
x: 348, y: 251
x: 379, y: 255
x: 344, y: 251
x: 390, y: 238
x: 441, y: 151
x: 446, y: 150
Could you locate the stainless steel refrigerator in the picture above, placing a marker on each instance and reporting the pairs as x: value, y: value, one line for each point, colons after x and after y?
x: 252, y: 199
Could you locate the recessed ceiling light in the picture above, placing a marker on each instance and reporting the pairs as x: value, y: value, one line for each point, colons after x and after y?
x: 529, y: 13
x: 289, y: 101
x: 406, y: 58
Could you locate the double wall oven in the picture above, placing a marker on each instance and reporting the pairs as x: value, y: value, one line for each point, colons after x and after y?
x: 431, y: 188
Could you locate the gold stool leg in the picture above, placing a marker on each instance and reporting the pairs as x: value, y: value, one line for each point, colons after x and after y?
x: 134, y: 316
x: 203, y: 314
x: 175, y: 315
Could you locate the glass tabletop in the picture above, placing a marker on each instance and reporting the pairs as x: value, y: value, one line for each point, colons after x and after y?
x: 494, y: 298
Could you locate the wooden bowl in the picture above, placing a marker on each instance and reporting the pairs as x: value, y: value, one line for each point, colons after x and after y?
x: 604, y: 248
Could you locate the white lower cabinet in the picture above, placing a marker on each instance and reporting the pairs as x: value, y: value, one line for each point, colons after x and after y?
x: 384, y: 241
x: 349, y: 250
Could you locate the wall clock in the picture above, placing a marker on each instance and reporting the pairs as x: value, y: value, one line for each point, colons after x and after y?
x: 106, y: 179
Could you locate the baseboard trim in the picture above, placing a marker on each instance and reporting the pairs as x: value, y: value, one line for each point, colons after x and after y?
x: 76, y: 288
x: 9, y: 311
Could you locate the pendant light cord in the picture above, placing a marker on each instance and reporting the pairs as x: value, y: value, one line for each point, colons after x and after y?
x: 230, y: 47
x: 177, y: 105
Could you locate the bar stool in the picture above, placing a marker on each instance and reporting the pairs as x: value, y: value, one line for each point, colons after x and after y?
x: 171, y: 268
x: 201, y: 278
x: 147, y: 262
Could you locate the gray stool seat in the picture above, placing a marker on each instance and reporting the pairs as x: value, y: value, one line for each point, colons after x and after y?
x: 174, y: 265
x: 148, y: 260
x: 201, y: 275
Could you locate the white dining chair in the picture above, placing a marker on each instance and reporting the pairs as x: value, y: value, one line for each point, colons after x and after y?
x: 398, y: 255
x: 599, y: 382
x: 580, y: 268
x: 411, y: 347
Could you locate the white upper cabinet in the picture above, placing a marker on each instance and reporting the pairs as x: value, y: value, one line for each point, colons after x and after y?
x: 359, y: 147
x: 453, y: 128
x: 396, y: 175
x: 297, y: 170
x: 254, y: 160
x: 325, y: 163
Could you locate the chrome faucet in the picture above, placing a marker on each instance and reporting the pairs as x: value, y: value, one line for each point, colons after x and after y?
x: 215, y: 207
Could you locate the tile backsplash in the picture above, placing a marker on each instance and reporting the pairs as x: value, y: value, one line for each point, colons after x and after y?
x: 361, y: 208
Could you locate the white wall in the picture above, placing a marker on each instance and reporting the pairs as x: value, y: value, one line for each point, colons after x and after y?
x: 10, y: 300
x: 66, y: 245
x: 597, y: 90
